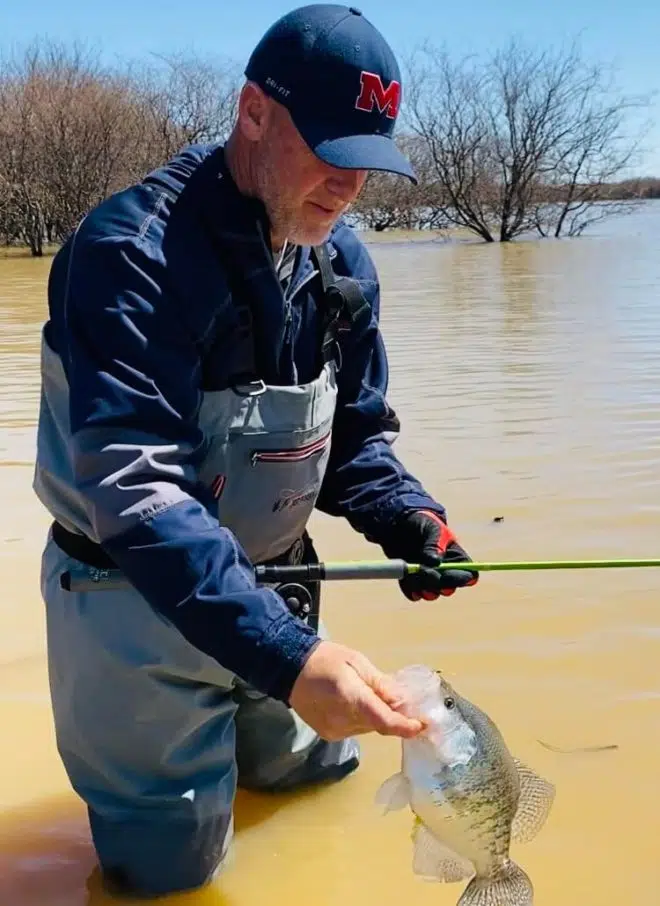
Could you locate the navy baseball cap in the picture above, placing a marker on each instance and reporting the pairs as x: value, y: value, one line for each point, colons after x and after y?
x: 340, y: 81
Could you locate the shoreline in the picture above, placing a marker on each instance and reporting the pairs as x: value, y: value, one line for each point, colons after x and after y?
x: 369, y: 237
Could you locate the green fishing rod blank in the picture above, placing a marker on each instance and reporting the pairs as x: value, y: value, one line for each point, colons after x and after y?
x: 556, y: 564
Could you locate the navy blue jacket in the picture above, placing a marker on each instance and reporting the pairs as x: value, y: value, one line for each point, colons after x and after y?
x: 147, y: 324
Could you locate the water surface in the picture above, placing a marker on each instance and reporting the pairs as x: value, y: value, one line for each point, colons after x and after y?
x: 527, y: 379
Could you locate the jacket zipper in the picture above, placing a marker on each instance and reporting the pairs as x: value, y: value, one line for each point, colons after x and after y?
x: 309, y: 277
x: 288, y: 316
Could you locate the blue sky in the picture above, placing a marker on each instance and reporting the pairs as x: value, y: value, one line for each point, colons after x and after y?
x: 612, y: 31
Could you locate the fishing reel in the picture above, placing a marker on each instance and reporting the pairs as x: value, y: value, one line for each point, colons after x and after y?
x: 297, y: 598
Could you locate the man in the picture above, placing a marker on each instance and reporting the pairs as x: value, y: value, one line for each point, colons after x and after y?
x: 212, y: 371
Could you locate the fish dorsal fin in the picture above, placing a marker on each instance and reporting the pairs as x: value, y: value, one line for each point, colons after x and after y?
x: 393, y: 793
x: 433, y: 860
x: 534, y: 804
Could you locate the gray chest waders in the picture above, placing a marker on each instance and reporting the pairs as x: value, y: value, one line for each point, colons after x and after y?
x: 267, y: 451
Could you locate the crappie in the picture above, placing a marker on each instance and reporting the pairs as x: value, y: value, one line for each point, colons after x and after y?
x: 469, y: 796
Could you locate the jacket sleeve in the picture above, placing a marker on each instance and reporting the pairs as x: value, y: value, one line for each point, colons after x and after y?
x: 365, y: 481
x: 133, y: 371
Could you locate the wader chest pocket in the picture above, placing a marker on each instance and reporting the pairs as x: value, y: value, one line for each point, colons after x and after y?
x: 290, y: 454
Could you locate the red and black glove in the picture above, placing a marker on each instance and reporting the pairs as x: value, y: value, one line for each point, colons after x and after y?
x: 421, y: 536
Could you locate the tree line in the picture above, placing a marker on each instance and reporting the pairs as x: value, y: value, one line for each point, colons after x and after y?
x: 523, y: 141
x: 73, y: 131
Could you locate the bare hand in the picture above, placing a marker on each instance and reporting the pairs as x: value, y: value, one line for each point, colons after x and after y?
x: 340, y: 693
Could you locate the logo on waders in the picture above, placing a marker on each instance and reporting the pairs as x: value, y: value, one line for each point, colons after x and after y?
x: 289, y: 499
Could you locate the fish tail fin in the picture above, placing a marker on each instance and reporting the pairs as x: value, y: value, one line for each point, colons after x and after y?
x: 511, y: 887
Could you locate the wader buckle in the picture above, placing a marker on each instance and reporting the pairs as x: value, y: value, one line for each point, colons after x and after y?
x: 249, y: 388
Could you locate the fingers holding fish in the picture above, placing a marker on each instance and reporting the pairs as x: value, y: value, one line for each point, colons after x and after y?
x: 340, y: 693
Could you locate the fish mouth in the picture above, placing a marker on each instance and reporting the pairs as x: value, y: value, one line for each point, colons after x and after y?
x: 420, y: 688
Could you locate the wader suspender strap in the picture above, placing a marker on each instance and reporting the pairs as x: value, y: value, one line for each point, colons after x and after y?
x: 343, y: 301
x: 245, y: 351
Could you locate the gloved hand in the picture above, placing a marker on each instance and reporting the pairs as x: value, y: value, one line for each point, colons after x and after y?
x: 421, y: 536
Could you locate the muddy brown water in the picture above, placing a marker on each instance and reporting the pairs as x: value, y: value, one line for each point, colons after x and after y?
x: 527, y: 379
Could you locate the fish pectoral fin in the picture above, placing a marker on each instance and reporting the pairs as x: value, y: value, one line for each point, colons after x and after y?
x: 536, y: 798
x: 511, y: 887
x: 432, y: 859
x: 393, y: 793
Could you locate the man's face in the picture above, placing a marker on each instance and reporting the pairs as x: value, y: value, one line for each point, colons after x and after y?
x: 304, y: 196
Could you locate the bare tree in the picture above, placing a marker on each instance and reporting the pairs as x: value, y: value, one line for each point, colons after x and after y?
x: 525, y: 141
x: 67, y: 129
x: 72, y: 130
x: 24, y: 197
x: 393, y: 202
x: 185, y: 100
x: 88, y: 133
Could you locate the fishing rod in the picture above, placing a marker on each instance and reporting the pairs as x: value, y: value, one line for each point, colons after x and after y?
x: 399, y: 569
x: 88, y: 578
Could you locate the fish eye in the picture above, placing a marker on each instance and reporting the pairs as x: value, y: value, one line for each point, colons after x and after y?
x: 449, y: 703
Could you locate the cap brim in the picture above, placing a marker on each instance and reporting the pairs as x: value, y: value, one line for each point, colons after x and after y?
x: 362, y: 152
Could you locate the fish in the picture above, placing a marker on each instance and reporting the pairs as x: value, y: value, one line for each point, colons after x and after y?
x: 469, y: 797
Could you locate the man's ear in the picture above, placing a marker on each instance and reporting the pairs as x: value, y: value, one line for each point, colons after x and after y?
x: 253, y: 112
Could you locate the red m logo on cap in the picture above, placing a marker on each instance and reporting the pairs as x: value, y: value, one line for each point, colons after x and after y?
x: 373, y: 93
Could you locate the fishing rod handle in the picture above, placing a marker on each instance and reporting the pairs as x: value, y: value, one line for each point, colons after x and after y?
x: 89, y: 578
x: 319, y: 572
